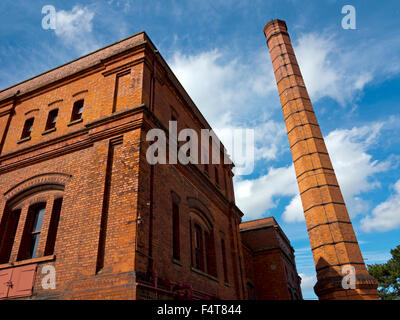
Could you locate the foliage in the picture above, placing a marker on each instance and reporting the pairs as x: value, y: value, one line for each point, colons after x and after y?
x: 388, y: 276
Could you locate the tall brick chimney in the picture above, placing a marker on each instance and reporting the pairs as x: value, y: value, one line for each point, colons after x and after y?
x: 333, y: 241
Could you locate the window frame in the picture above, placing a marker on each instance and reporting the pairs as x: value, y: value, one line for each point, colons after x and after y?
x: 27, y: 129
x: 51, y: 119
x: 10, y: 219
x: 76, y: 115
x: 176, y: 250
x: 224, y: 260
x: 29, y: 245
x: 198, y: 248
x: 202, y: 239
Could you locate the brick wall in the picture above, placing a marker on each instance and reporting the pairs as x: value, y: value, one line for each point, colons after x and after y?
x: 115, y: 223
x: 272, y: 269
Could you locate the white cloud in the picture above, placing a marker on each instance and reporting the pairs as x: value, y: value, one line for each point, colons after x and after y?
x: 354, y: 168
x: 221, y: 88
x: 230, y: 92
x: 353, y: 164
x: 386, y: 216
x: 257, y: 196
x: 307, y: 281
x: 329, y: 70
x: 294, y: 210
x: 269, y: 138
x: 74, y: 28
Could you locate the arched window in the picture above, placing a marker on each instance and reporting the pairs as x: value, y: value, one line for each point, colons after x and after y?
x: 28, y: 227
x: 8, y: 229
x: 203, y: 243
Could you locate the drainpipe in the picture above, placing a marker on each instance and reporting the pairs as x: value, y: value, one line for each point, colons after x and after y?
x: 152, y: 95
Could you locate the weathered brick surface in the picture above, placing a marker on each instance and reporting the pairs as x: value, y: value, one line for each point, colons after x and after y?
x: 114, y: 238
x: 331, y: 234
x: 114, y: 202
x: 271, y: 267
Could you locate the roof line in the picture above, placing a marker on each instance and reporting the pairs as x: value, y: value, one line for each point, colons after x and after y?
x: 69, y: 62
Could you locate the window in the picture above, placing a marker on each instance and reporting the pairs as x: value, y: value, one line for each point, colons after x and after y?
x: 26, y: 132
x: 210, y: 254
x: 206, y: 168
x: 52, y: 233
x: 175, y: 232
x: 77, y: 110
x: 198, y: 248
x: 250, y: 291
x: 224, y: 262
x: 216, y: 175
x: 31, y: 236
x: 8, y: 229
x: 51, y: 119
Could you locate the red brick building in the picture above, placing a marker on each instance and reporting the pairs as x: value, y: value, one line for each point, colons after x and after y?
x: 77, y: 193
x: 270, y: 267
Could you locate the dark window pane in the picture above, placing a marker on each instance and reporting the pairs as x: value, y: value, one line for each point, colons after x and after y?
x: 175, y: 231
x: 198, y: 248
x: 52, y: 234
x: 216, y: 175
x: 224, y: 262
x: 26, y: 132
x: 210, y: 254
x: 52, y: 119
x: 77, y: 110
x: 8, y: 229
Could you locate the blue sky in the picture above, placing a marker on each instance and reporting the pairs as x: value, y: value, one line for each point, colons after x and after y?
x: 217, y: 49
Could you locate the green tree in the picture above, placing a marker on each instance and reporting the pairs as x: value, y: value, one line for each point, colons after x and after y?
x: 388, y: 276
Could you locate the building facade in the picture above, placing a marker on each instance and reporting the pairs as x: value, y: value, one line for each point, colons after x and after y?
x: 80, y: 201
x: 270, y: 267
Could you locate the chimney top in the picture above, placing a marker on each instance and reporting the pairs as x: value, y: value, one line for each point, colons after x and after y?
x: 275, y: 26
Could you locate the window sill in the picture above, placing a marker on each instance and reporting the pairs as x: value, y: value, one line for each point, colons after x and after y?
x: 24, y: 140
x: 75, y: 122
x: 28, y: 261
x: 48, y: 131
x: 177, y: 262
x: 204, y: 274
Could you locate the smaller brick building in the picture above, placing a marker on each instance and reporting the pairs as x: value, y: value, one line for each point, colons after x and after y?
x: 270, y: 266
